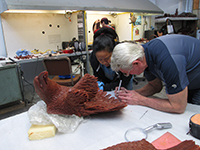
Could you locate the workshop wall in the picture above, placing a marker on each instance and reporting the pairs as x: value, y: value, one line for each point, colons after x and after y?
x: 170, y: 7
x: 122, y: 24
x: 25, y: 31
x: 129, y: 31
x: 37, y: 31
x: 91, y: 18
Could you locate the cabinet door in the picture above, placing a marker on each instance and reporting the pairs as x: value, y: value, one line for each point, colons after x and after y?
x: 10, y: 89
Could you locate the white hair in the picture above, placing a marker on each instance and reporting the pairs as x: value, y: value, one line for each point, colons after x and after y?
x: 124, y: 54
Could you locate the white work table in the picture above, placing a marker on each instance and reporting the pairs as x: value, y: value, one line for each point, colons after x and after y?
x: 99, y: 131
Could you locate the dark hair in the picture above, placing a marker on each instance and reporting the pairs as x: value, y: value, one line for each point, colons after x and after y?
x: 163, y: 30
x: 98, y: 25
x: 105, y: 20
x: 104, y: 39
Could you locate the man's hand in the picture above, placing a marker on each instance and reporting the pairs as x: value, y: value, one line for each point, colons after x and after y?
x: 130, y: 97
x: 176, y: 103
x: 122, y: 89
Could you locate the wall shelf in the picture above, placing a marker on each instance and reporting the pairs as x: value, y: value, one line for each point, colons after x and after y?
x: 182, y: 25
x: 161, y: 20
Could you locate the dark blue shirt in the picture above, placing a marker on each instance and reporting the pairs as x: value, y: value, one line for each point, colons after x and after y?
x: 175, y: 59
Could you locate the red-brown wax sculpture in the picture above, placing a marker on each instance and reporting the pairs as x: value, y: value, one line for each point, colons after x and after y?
x: 145, y: 145
x: 83, y: 99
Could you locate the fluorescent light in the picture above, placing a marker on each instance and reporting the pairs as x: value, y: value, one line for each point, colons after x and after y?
x: 35, y: 11
x: 101, y: 12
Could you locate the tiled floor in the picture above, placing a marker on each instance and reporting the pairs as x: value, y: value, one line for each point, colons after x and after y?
x: 140, y: 84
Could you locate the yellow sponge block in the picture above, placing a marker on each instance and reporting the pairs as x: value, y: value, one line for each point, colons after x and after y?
x: 38, y: 132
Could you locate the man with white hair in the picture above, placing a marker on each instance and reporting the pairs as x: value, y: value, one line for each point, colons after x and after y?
x: 171, y: 59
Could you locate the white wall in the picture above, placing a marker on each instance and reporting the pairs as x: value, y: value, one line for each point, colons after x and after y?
x: 91, y: 19
x: 24, y: 31
x: 169, y: 6
x: 122, y: 26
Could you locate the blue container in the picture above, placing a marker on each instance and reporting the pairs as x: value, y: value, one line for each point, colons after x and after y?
x: 65, y: 76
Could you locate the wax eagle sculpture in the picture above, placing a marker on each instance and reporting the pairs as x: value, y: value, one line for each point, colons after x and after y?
x: 83, y: 99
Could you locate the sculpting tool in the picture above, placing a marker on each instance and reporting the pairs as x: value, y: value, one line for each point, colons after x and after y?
x: 144, y: 114
x: 120, y: 83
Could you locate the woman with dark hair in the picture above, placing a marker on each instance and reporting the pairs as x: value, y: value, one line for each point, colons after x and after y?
x: 103, y: 45
x: 96, y: 25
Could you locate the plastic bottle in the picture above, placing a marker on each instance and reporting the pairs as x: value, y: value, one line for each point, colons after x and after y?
x: 170, y: 26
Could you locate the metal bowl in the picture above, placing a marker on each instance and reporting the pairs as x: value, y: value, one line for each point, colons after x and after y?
x: 194, y: 127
